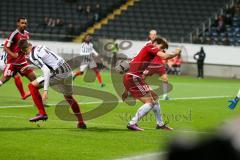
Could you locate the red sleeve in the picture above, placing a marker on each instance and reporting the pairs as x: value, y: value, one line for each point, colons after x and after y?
x: 153, y: 50
x: 10, y: 39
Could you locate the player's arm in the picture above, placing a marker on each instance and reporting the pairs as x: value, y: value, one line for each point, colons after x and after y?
x: 7, y: 46
x: 46, y: 74
x: 12, y: 54
x: 95, y: 53
x: 169, y: 55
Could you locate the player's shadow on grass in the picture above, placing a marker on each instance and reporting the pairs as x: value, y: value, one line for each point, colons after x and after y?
x: 99, y: 129
x: 18, y: 129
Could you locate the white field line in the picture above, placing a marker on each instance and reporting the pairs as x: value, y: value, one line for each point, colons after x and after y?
x: 120, y: 101
x: 148, y: 156
x: 206, y: 97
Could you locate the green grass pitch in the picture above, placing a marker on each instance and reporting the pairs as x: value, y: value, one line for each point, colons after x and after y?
x: 107, y: 136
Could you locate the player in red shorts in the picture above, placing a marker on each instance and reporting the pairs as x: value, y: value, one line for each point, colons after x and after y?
x: 135, y: 84
x: 157, y: 66
x: 16, y: 58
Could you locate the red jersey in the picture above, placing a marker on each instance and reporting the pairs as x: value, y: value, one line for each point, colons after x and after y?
x: 12, y: 43
x: 158, y: 60
x: 139, y: 63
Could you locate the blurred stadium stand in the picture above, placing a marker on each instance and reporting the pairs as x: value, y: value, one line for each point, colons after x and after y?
x: 71, y: 21
x: 178, y: 21
x: 224, y: 29
x: 172, y: 18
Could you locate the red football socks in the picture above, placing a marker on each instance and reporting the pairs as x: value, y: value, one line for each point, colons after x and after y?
x: 75, y: 108
x: 37, y: 98
x: 98, y: 76
x: 19, y: 85
x: 77, y: 73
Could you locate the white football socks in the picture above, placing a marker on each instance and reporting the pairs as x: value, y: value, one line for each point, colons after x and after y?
x: 1, y: 83
x: 142, y: 111
x: 157, y: 114
x: 165, y: 89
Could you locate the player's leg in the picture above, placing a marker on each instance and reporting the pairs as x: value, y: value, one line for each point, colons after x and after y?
x: 18, y: 82
x: 139, y: 90
x: 7, y: 73
x: 19, y: 85
x: 78, y: 73
x: 148, y: 104
x: 31, y: 76
x: 4, y: 79
x: 37, y: 99
x: 98, y: 75
x: 82, y: 68
x: 157, y: 113
x: 93, y: 66
x: 165, y: 85
x: 234, y: 101
x: 76, y: 109
x: 65, y: 86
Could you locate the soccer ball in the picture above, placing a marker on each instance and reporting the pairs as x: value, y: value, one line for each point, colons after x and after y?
x: 122, y: 66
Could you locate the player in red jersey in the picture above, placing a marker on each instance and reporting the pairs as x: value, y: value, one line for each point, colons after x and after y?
x: 16, y: 58
x: 157, y: 66
x: 139, y: 89
x: 152, y: 36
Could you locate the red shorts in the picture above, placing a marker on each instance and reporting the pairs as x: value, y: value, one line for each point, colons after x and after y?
x: 136, y: 86
x: 11, y: 70
x: 155, y: 69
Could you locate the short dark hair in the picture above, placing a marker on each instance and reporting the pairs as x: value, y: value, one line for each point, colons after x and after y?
x: 20, y: 18
x: 85, y: 37
x: 162, y: 41
x: 23, y: 43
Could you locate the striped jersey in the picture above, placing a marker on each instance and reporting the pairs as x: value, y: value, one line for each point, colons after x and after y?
x: 41, y: 55
x: 87, y: 51
x: 50, y: 63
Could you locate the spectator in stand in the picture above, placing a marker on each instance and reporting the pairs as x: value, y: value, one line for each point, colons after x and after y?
x: 88, y: 9
x: 70, y: 32
x: 220, y: 24
x: 226, y: 41
x: 97, y: 13
x: 237, y: 10
x: 209, y: 40
x: 45, y: 21
x: 51, y: 22
x: 230, y: 11
x: 59, y: 22
x: 80, y: 8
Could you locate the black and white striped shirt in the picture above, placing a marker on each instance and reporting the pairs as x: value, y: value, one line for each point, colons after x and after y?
x: 49, y: 62
x: 87, y: 51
